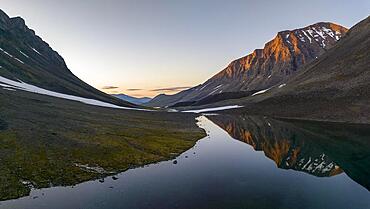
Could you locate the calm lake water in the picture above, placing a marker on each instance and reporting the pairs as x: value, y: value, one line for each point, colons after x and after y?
x: 244, y: 162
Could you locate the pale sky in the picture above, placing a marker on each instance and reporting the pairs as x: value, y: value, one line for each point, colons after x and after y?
x: 147, y: 47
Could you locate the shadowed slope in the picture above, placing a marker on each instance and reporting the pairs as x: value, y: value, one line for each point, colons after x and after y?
x: 25, y: 56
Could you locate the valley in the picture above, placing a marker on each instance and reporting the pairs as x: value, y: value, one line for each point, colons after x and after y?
x: 33, y: 156
x: 285, y: 126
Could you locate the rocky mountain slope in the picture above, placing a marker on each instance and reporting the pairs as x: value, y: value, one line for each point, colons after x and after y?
x: 275, y: 63
x: 333, y: 87
x: 26, y: 57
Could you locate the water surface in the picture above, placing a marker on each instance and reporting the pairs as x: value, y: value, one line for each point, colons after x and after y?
x: 244, y: 162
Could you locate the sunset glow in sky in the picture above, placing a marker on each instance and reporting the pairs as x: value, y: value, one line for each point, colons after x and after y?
x: 145, y: 47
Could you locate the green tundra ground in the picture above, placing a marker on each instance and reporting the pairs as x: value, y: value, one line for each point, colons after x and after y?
x: 43, y: 138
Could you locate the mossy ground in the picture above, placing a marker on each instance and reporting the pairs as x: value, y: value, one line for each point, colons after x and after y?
x: 41, y: 139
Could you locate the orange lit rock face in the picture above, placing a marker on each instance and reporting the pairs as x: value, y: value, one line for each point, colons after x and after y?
x: 282, y: 56
x: 273, y: 65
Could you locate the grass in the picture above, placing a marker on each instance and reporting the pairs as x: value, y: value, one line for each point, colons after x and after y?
x: 42, y: 138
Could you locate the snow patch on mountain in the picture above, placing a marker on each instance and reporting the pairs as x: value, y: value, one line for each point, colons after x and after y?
x: 218, y: 86
x: 214, y: 109
x: 261, y: 92
x: 19, y: 60
x: 36, y: 51
x: 5, y: 52
x: 34, y: 89
x: 204, y: 86
x: 23, y: 54
x: 309, y: 38
x: 9, y: 89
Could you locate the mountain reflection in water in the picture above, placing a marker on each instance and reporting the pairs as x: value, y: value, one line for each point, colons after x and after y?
x: 318, y: 148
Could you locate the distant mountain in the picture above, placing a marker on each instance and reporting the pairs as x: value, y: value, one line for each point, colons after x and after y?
x: 133, y: 100
x: 275, y: 63
x: 26, y: 57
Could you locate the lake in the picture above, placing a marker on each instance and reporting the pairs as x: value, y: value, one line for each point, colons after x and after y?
x: 244, y: 162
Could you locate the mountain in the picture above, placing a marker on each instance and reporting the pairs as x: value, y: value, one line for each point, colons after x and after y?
x: 275, y: 63
x: 26, y: 57
x: 333, y: 87
x: 133, y: 100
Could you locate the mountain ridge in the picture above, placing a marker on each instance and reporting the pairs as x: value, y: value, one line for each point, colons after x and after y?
x: 26, y: 57
x: 333, y: 87
x: 280, y: 58
x: 131, y: 99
